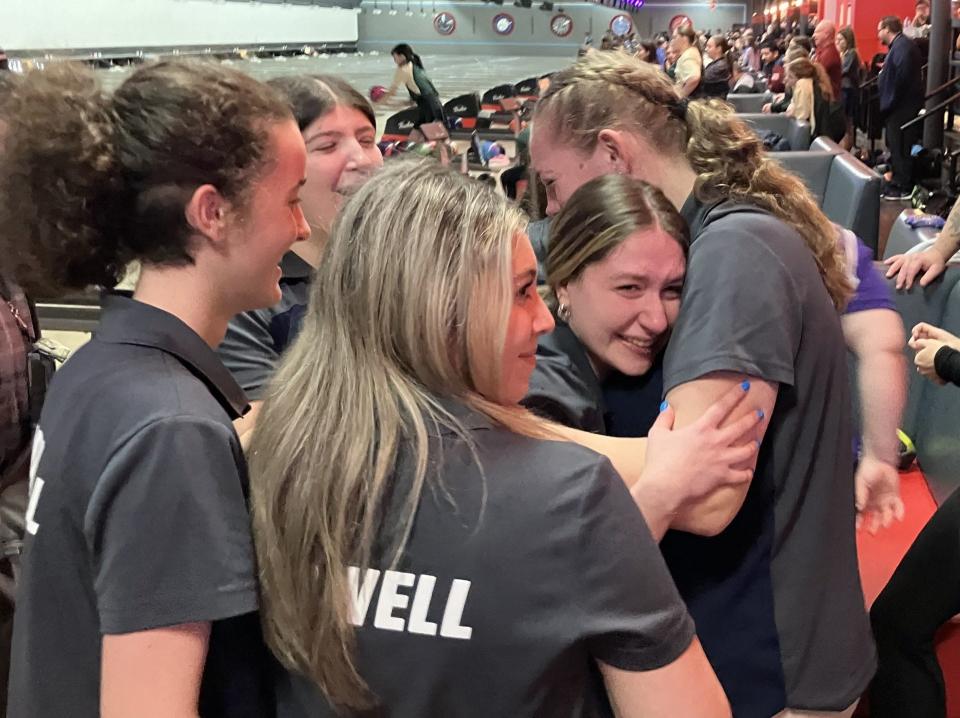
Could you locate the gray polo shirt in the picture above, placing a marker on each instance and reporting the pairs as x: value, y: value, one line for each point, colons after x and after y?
x: 137, y: 518
x: 515, y: 581
x: 256, y: 339
x: 776, y: 596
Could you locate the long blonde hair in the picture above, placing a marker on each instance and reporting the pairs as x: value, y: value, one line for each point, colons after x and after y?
x: 410, y: 305
x: 616, y: 91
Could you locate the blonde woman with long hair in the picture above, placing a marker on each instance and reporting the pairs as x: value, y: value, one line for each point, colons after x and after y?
x: 768, y: 568
x: 426, y: 546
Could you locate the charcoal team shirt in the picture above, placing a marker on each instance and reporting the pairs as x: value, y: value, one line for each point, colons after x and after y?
x: 256, y: 339
x: 137, y: 519
x: 517, y: 578
x: 565, y: 388
x: 776, y: 596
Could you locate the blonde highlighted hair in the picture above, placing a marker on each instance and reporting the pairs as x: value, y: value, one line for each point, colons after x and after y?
x: 615, y: 91
x: 409, y: 307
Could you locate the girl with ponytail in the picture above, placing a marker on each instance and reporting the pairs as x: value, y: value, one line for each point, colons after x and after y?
x: 412, y: 75
x: 138, y: 581
x: 770, y: 568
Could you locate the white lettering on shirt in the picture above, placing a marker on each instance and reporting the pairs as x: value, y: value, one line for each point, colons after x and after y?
x: 392, y: 603
x: 418, y: 622
x: 389, y: 600
x: 36, y: 483
x: 453, y: 613
x: 361, y: 595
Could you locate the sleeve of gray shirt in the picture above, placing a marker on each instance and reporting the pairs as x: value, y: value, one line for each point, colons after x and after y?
x: 633, y: 617
x: 249, y: 352
x: 740, y: 310
x: 168, y: 529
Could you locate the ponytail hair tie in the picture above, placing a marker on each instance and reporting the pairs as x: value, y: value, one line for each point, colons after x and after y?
x: 679, y: 108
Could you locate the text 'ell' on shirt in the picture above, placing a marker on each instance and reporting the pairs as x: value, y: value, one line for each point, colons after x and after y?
x: 776, y: 596
x: 518, y: 577
x: 137, y: 518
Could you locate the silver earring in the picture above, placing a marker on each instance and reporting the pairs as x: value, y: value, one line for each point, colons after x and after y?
x: 563, y: 313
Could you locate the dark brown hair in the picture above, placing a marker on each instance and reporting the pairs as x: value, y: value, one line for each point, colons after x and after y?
x: 892, y: 23
x: 805, y: 69
x: 597, y: 219
x: 313, y: 96
x: 90, y: 182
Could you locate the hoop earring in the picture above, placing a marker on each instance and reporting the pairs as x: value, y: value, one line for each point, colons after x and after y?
x: 563, y: 313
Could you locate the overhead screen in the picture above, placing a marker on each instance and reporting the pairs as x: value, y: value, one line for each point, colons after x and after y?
x: 75, y: 24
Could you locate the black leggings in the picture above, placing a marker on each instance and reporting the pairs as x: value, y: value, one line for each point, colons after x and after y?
x: 923, y: 594
x: 431, y: 109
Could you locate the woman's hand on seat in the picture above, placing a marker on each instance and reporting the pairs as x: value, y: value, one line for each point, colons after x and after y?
x: 929, y: 263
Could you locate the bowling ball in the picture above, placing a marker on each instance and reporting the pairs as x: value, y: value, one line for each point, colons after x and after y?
x: 386, y: 148
x: 405, y: 146
x: 490, y: 150
x: 377, y: 92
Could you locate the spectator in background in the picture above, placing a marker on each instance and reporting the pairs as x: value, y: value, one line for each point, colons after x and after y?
x: 670, y: 63
x: 801, y: 41
x: 689, y: 63
x: 826, y: 54
x: 805, y: 78
x: 663, y: 42
x: 901, y: 98
x: 749, y: 55
x: 923, y: 592
x: 774, y: 32
x: 782, y: 101
x: 931, y: 261
x: 918, y: 26
x: 772, y: 67
x: 4, y: 62
x: 743, y: 81
x: 850, y: 82
x: 648, y: 52
x: 717, y: 69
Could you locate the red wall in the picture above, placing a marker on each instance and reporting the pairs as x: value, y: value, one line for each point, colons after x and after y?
x: 863, y: 16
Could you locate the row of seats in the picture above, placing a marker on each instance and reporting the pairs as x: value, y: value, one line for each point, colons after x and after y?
x: 930, y: 415
x: 847, y: 190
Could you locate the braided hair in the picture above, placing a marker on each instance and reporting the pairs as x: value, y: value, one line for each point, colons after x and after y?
x: 610, y: 91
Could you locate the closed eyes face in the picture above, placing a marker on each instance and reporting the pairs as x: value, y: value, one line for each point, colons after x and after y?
x: 342, y: 153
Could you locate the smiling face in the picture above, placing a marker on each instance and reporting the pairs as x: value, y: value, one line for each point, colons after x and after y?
x: 268, y: 224
x: 341, y: 155
x: 622, y: 307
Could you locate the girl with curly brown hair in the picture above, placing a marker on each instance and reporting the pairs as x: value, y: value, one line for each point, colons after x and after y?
x: 138, y: 593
